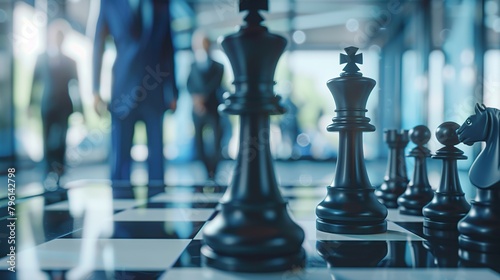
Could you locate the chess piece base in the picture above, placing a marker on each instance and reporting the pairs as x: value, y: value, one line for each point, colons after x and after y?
x: 389, y: 192
x: 440, y: 225
x: 350, y: 228
x: 473, y: 258
x: 439, y: 233
x: 484, y: 246
x: 410, y: 211
x: 253, y: 238
x: 413, y: 204
x: 335, y: 215
x: 258, y: 263
x: 480, y: 229
x: 443, y: 213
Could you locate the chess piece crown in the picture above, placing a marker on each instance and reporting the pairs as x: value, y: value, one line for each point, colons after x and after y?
x: 254, y: 53
x: 351, y: 69
x: 350, y: 92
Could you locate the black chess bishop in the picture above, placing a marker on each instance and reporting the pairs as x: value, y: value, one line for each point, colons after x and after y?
x: 350, y: 206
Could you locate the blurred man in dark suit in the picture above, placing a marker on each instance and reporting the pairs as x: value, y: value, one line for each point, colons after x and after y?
x: 204, y: 84
x: 53, y: 72
x: 143, y: 86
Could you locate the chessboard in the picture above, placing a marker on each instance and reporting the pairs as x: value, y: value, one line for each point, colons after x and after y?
x: 92, y: 230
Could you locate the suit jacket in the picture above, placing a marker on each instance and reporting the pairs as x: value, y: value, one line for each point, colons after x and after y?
x: 207, y: 81
x: 143, y: 72
x: 55, y: 74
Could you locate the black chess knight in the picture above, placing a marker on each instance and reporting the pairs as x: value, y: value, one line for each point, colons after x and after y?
x: 479, y: 238
x: 253, y: 231
x: 350, y: 205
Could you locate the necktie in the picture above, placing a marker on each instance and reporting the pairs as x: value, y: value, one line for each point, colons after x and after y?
x: 143, y: 18
x: 136, y: 8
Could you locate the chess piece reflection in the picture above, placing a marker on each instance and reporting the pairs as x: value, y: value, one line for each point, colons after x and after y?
x: 479, y: 238
x: 444, y: 251
x: 54, y: 71
x: 448, y: 206
x: 352, y: 253
x: 399, y: 251
x: 204, y: 84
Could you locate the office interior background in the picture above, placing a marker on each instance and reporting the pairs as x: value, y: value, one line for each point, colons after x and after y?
x: 432, y: 60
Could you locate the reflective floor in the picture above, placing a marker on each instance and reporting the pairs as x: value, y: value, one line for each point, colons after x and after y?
x: 91, y: 230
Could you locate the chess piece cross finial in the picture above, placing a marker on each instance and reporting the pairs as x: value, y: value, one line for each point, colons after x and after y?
x: 351, y: 69
x: 253, y: 7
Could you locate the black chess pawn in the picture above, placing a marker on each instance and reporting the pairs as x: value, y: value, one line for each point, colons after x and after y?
x: 350, y: 205
x: 448, y: 205
x: 419, y: 191
x: 396, y: 178
x: 252, y: 231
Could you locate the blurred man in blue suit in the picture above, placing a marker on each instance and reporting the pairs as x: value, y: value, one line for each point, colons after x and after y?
x: 143, y: 81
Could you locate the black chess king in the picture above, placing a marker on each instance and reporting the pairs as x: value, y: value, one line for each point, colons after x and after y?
x: 253, y: 231
x: 350, y: 205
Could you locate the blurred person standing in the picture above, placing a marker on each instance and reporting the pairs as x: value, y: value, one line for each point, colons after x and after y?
x: 53, y: 72
x: 143, y: 86
x: 204, y: 84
